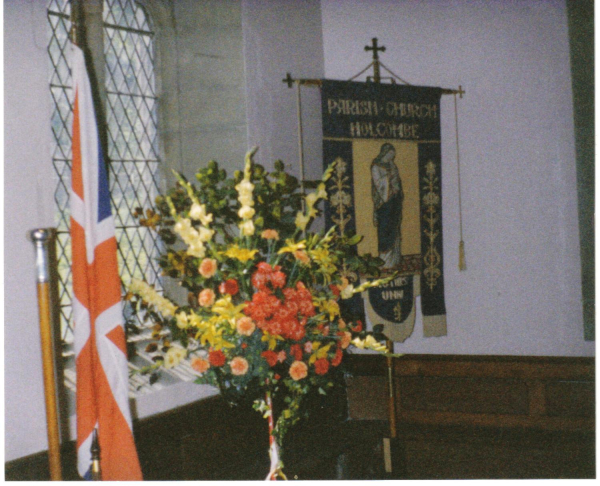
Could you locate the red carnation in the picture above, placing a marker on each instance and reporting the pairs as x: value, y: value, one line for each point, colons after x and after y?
x: 337, y: 359
x: 216, y: 358
x: 358, y: 327
x: 259, y: 280
x: 297, y: 333
x: 230, y: 286
x: 278, y: 279
x: 323, y: 329
x: 270, y: 356
x: 264, y: 267
x: 265, y: 274
x: 296, y: 352
x: 335, y: 290
x: 321, y: 366
x: 286, y: 317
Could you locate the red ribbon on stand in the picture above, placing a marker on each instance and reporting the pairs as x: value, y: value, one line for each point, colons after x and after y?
x: 273, y: 447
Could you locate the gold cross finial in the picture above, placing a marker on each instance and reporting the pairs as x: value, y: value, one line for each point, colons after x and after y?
x: 288, y: 79
x: 375, y: 48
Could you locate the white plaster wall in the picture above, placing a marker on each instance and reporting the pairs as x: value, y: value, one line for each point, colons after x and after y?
x: 283, y: 36
x: 521, y: 293
x: 211, y: 84
x: 28, y: 199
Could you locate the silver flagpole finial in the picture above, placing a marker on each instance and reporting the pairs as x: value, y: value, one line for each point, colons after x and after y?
x: 40, y: 238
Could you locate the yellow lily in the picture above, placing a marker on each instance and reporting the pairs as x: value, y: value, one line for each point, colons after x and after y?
x: 225, y: 310
x: 212, y: 334
x: 323, y: 258
x: 330, y: 307
x: 291, y: 246
x: 318, y: 352
x: 272, y: 339
x: 241, y: 254
x: 369, y: 343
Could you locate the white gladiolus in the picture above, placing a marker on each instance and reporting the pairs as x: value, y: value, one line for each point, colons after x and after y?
x: 347, y: 292
x: 174, y: 356
x: 152, y: 297
x: 205, y: 234
x: 247, y: 228
x: 311, y: 199
x: 198, y: 213
x: 321, y: 192
x: 245, y: 187
x: 246, y: 212
x: 193, y: 238
x: 196, y: 249
x: 182, y: 320
x: 302, y: 220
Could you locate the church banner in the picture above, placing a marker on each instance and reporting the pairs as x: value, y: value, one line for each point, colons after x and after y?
x: 385, y: 139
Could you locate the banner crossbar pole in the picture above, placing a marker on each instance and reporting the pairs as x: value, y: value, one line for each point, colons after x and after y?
x: 319, y: 82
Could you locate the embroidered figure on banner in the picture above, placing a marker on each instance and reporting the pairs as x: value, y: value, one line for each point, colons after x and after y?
x: 387, y: 188
x: 387, y: 194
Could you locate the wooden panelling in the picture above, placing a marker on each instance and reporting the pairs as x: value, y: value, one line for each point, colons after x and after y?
x: 570, y: 399
x: 462, y: 395
x: 366, y: 397
x: 458, y: 417
x: 496, y: 391
x: 461, y: 452
x: 486, y: 417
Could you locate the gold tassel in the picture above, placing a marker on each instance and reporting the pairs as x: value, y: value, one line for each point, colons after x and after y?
x: 462, y: 264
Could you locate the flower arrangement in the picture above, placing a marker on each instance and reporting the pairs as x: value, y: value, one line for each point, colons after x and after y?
x: 265, y: 316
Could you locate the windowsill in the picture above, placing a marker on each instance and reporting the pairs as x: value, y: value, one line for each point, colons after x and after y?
x: 169, y: 398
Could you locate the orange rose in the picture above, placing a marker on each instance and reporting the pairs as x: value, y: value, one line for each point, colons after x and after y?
x: 298, y: 370
x: 346, y: 337
x: 208, y: 267
x: 206, y: 298
x: 239, y: 366
x: 302, y: 256
x: 270, y: 234
x: 245, y: 326
x: 200, y: 365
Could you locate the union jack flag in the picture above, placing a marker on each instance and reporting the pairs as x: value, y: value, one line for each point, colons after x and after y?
x: 101, y: 357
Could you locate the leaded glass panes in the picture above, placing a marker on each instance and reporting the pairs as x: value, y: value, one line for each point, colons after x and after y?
x: 59, y: 12
x: 132, y: 132
x: 132, y: 139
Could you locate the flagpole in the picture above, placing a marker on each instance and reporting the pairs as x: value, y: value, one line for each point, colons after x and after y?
x: 41, y: 237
